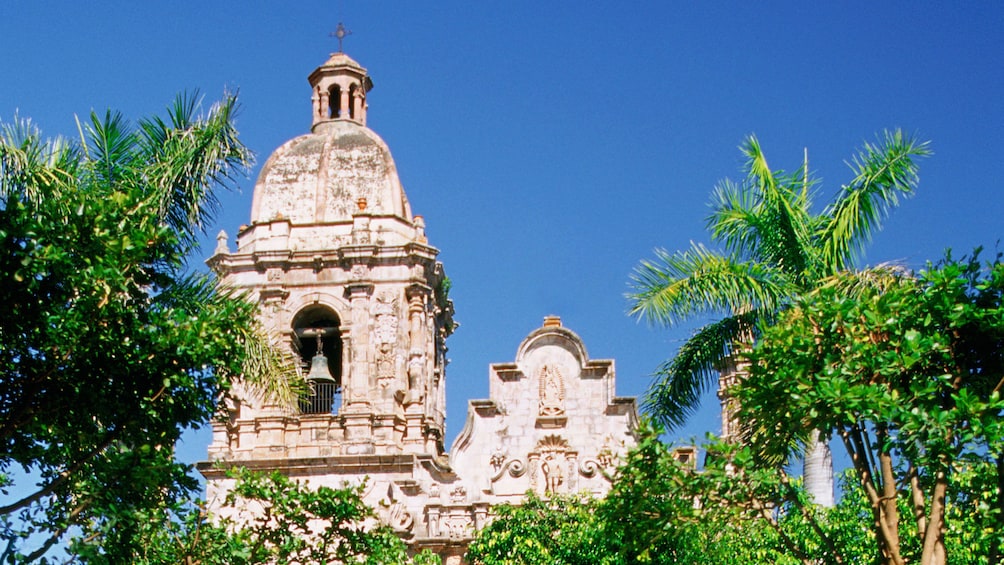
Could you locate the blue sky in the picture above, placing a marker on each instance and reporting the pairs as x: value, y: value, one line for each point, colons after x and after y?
x: 553, y: 145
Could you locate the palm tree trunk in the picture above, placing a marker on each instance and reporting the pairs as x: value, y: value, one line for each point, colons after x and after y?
x: 817, y: 471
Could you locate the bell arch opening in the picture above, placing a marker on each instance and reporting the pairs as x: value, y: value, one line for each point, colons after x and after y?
x: 335, y: 102
x: 317, y: 340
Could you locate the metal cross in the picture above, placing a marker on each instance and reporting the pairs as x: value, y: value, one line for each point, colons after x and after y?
x: 340, y: 33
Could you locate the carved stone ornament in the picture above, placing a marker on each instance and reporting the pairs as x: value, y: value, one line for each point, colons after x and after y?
x: 458, y: 494
x: 358, y: 272
x: 398, y: 517
x: 552, y: 392
x: 385, y: 318
x: 498, y: 458
x: 554, y: 475
x: 609, y: 452
x: 457, y: 527
x: 384, y: 364
x: 552, y: 444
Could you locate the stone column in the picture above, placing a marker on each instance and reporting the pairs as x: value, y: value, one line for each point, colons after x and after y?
x: 357, y: 414
x: 344, y: 106
x: 322, y: 105
x: 417, y: 296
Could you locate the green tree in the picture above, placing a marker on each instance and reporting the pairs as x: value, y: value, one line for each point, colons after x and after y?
x: 109, y: 347
x: 560, y: 531
x: 775, y: 247
x: 267, y: 518
x: 907, y: 372
x: 661, y: 510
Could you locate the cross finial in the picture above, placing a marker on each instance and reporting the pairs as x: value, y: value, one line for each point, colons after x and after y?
x: 340, y: 33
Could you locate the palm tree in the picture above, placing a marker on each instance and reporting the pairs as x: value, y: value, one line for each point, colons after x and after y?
x: 774, y: 247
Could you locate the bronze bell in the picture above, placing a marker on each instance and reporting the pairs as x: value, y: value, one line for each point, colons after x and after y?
x: 319, y: 370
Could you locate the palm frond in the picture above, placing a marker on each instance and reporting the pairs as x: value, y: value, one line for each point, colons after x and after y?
x: 679, y: 383
x: 885, y: 172
x: 735, y: 220
x: 783, y: 210
x: 28, y: 163
x: 188, y: 156
x: 676, y: 287
x: 113, y: 144
x: 269, y: 370
x: 856, y: 283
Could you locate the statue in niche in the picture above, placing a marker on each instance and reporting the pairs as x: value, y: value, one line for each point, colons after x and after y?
x: 554, y: 476
x: 552, y: 392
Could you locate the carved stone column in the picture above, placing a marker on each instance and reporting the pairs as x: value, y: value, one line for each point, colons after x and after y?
x: 344, y: 106
x: 357, y: 414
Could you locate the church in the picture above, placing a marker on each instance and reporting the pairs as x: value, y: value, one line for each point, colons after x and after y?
x: 346, y: 278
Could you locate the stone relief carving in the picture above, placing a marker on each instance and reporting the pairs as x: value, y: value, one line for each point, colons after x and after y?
x: 554, y: 476
x: 516, y: 468
x: 385, y: 326
x: 358, y: 272
x: 385, y: 364
x: 457, y: 527
x: 552, y: 391
x: 385, y: 318
x: 498, y: 457
x: 398, y: 517
x: 458, y: 494
x: 552, y: 444
x: 608, y: 454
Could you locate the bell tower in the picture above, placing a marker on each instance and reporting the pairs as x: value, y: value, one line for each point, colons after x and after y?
x: 348, y: 282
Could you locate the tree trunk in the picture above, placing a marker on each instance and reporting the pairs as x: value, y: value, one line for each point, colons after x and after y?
x: 817, y: 471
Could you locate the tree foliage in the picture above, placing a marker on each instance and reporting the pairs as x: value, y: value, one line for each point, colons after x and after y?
x: 661, y: 510
x: 109, y: 347
x: 907, y: 373
x: 774, y: 247
x: 266, y: 518
x: 735, y: 510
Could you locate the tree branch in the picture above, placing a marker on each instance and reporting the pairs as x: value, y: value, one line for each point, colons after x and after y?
x: 62, y: 477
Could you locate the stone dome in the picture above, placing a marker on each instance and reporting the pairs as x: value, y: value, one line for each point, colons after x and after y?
x: 326, y: 176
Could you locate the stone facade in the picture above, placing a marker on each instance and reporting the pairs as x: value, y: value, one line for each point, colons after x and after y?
x: 553, y: 423
x: 347, y: 280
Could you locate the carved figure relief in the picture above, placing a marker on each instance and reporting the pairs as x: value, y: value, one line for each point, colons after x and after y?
x: 554, y: 476
x: 385, y: 326
x: 552, y: 392
x: 458, y: 494
x: 552, y: 451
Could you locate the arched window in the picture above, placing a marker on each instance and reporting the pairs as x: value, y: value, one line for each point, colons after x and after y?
x: 317, y: 340
x: 335, y: 102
